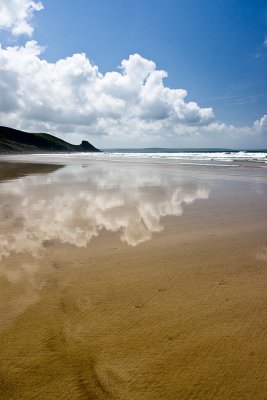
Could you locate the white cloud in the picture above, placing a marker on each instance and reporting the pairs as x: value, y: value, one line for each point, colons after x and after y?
x: 73, y: 93
x: 265, y: 42
x: 16, y: 15
x: 261, y: 124
x: 130, y: 105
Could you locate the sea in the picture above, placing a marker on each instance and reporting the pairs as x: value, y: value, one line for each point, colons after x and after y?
x: 191, y: 153
x: 184, y: 156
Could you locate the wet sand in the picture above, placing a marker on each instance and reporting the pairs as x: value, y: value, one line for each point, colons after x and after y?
x: 133, y: 283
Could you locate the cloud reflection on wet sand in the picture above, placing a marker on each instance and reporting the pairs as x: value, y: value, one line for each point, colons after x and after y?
x: 123, y: 322
x: 75, y: 204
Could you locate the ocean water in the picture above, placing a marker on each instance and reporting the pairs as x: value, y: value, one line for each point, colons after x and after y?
x: 205, y: 157
x: 224, y: 155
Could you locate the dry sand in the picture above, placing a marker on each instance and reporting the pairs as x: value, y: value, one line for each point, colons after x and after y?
x: 181, y: 315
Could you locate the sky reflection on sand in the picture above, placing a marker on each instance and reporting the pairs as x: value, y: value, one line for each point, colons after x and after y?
x: 73, y: 204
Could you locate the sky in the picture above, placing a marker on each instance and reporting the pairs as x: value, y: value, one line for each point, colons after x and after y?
x: 136, y: 73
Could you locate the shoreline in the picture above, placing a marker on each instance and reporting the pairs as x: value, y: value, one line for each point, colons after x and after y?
x: 177, y: 159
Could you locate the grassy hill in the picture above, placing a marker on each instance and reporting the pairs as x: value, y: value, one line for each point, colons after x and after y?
x: 15, y: 141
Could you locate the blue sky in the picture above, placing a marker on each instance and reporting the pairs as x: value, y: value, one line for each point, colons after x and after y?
x: 213, y: 49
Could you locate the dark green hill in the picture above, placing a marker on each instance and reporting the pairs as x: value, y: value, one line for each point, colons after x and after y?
x: 15, y: 141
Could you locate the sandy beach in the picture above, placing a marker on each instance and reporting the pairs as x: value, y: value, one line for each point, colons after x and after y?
x: 132, y: 281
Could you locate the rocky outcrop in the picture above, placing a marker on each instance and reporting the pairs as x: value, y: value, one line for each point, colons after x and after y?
x: 16, y: 141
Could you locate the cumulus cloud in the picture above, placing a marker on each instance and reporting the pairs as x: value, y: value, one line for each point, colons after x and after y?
x: 72, y: 92
x: 261, y: 124
x: 71, y: 95
x: 16, y: 15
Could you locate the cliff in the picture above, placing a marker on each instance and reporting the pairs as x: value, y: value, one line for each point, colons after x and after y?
x: 15, y: 141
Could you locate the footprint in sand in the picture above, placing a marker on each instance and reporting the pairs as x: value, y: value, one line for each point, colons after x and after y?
x: 139, y: 306
x: 171, y: 338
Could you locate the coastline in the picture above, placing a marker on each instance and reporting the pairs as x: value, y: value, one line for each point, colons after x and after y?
x: 217, y: 158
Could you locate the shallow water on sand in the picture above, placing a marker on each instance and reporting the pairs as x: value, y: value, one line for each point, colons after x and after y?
x: 132, y: 281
